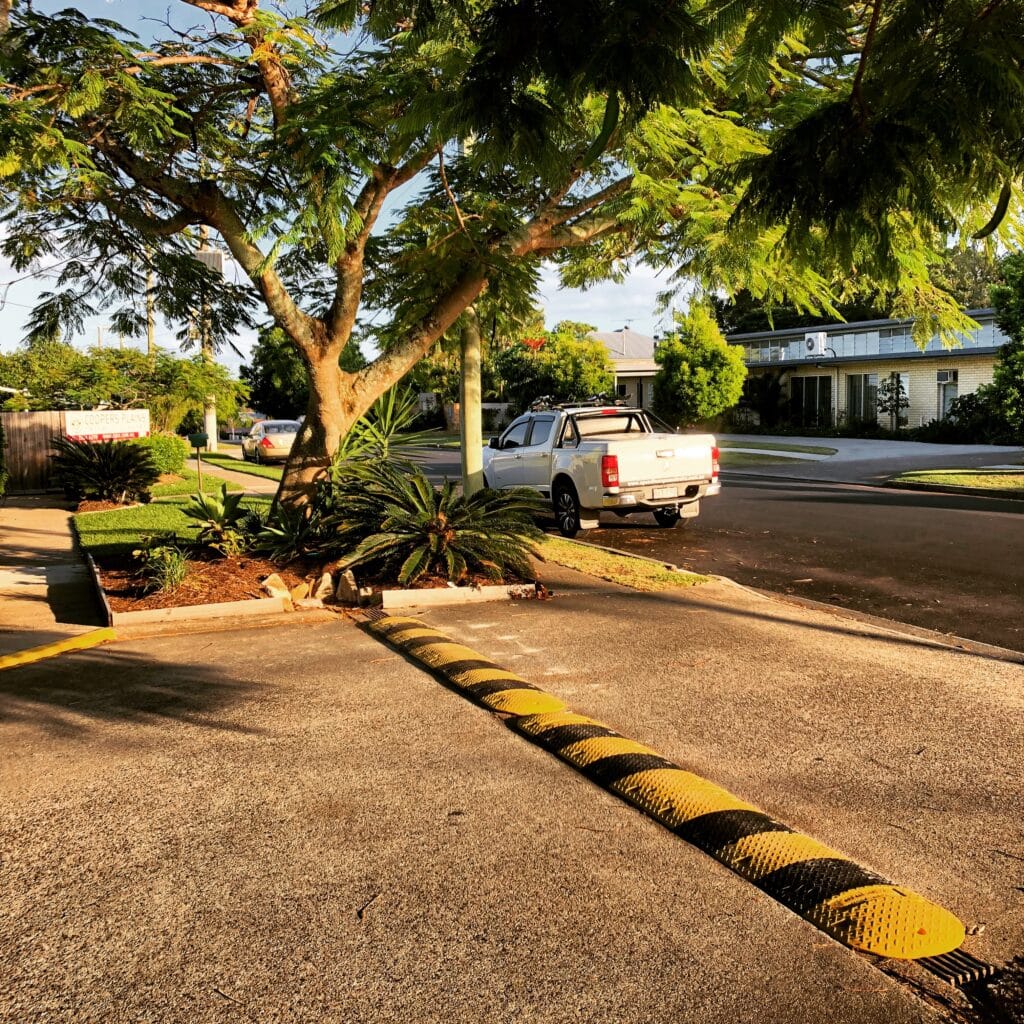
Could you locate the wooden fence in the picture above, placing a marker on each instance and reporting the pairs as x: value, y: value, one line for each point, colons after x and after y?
x: 29, y: 436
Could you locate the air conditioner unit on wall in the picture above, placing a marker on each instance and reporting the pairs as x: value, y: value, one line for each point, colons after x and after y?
x: 946, y: 376
x: 815, y: 344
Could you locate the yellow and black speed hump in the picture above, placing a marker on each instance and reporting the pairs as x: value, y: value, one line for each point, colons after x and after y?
x: 857, y: 907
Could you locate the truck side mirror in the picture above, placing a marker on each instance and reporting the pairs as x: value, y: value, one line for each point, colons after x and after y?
x: 494, y: 443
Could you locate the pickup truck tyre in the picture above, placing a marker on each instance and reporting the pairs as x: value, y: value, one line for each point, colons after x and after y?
x: 567, y: 509
x: 667, y: 517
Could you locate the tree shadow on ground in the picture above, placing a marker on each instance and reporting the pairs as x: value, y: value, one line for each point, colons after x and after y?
x: 68, y: 695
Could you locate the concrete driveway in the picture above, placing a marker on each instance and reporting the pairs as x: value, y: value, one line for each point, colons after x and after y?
x: 303, y: 826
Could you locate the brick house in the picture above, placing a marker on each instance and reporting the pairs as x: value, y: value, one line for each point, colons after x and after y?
x: 832, y: 373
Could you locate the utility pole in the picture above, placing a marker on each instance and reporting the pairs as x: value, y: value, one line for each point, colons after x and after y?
x: 150, y: 307
x: 470, y: 394
x: 99, y: 337
x: 213, y: 259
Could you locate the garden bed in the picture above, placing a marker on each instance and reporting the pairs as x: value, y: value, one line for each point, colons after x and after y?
x: 210, y: 580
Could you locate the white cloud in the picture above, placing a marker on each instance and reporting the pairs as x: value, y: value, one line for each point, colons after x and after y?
x: 608, y: 306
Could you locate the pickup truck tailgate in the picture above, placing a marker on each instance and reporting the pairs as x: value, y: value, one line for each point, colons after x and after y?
x: 664, y: 458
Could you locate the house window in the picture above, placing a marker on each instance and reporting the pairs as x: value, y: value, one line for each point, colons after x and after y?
x: 862, y: 397
x: 948, y: 384
x: 620, y: 390
x: 811, y: 401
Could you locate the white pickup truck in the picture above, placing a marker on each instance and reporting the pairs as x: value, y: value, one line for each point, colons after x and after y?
x: 589, y: 458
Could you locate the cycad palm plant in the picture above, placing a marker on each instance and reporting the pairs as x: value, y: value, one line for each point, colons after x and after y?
x: 388, y: 515
x: 107, y: 470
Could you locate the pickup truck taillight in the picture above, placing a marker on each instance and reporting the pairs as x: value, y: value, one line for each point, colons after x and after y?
x: 609, y: 471
x: 714, y: 463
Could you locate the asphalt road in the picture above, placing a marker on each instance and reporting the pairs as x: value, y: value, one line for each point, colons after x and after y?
x: 945, y: 562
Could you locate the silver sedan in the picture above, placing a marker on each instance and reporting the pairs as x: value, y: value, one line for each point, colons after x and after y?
x: 270, y: 439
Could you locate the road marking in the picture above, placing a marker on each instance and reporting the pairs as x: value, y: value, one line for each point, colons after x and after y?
x: 81, y: 642
x: 857, y: 907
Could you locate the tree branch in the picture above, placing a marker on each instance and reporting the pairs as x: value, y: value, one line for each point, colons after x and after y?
x: 159, y: 227
x: 399, y: 360
x: 855, y: 91
x: 182, y: 58
x: 276, y: 80
x: 210, y: 206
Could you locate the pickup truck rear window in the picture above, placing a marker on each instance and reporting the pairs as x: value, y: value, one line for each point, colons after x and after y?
x: 589, y: 426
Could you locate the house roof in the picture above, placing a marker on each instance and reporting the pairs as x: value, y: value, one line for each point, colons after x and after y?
x: 853, y: 326
x: 626, y: 344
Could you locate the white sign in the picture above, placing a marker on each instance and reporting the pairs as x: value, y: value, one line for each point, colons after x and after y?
x: 106, y: 424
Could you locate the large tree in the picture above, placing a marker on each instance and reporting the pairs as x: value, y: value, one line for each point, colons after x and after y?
x: 403, y: 158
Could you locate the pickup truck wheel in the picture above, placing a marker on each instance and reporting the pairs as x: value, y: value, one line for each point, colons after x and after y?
x: 667, y: 517
x: 567, y: 510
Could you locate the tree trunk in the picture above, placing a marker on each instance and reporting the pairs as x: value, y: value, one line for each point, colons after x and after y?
x: 470, y: 416
x: 330, y: 413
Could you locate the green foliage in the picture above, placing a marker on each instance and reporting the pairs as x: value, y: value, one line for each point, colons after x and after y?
x: 168, y: 451
x: 969, y: 275
x: 566, y: 367
x: 219, y: 516
x: 386, y: 426
x: 892, y: 398
x: 289, y: 533
x: 699, y: 374
x: 389, y: 517
x: 163, y: 565
x: 104, y: 471
x: 1008, y: 374
x: 742, y: 313
x: 59, y: 376
x: 276, y: 376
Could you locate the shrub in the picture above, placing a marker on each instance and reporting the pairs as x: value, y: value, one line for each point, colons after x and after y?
x: 390, y: 517
x: 163, y: 565
x: 169, y: 451
x: 699, y: 373
x: 106, y: 471
x: 220, y: 517
x: 288, y: 533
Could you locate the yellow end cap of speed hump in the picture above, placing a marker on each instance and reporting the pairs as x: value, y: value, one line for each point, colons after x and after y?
x: 889, y: 921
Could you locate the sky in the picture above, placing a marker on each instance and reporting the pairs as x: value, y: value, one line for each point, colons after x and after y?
x: 609, y: 307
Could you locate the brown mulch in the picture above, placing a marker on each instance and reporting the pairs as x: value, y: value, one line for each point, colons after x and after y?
x: 209, y: 581
x: 101, y: 506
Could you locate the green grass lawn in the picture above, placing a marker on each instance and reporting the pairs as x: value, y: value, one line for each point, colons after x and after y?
x: 1005, y: 481
x: 270, y: 471
x: 189, y: 484
x: 122, y: 530
x: 769, y: 446
x: 630, y: 572
x: 732, y: 460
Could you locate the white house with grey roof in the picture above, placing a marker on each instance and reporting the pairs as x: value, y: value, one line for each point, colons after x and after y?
x: 632, y: 355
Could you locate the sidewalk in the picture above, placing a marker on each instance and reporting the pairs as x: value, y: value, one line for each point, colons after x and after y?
x: 250, y: 483
x: 46, y: 593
